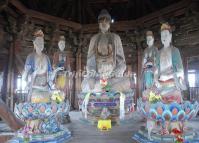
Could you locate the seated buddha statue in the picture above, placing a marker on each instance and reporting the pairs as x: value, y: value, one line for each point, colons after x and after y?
x: 105, y: 59
x: 171, y: 72
x: 106, y: 92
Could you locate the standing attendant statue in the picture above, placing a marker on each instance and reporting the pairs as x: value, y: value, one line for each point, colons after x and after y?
x: 149, y: 63
x: 63, y: 81
x: 149, y: 74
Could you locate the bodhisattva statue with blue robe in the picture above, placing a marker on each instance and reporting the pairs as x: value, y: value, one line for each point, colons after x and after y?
x: 105, y: 75
x: 171, y: 71
x: 41, y: 110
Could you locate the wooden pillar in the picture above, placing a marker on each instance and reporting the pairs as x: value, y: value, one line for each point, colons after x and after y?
x: 78, y: 76
x: 10, y: 77
x: 185, y: 64
x: 71, y: 91
x: 138, y: 74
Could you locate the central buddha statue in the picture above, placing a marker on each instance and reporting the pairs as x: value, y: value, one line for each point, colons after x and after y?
x: 106, y: 93
x: 105, y: 59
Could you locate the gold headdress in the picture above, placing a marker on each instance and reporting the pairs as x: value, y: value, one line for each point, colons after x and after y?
x: 165, y: 26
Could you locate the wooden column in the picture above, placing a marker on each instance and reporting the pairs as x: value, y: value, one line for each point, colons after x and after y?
x: 185, y: 64
x: 10, y: 78
x: 71, y: 92
x: 78, y: 76
x: 138, y: 74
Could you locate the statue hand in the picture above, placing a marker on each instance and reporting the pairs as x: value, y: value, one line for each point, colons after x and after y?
x: 157, y: 84
x: 35, y: 72
x: 59, y: 69
x: 163, y: 78
x: 118, y: 73
x: 24, y: 76
x: 25, y: 72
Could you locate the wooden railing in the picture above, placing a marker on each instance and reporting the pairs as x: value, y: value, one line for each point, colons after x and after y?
x: 194, y: 93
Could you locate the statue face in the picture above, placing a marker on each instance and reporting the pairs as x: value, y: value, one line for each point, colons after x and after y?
x: 39, y: 44
x: 104, y: 24
x: 149, y: 40
x: 61, y: 45
x: 166, y: 37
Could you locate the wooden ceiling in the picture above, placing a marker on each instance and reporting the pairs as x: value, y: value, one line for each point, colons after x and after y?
x: 86, y: 11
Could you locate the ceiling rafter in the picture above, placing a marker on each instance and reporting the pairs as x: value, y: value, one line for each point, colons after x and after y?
x: 175, y: 9
x: 35, y: 14
x: 153, y: 18
x: 104, y: 1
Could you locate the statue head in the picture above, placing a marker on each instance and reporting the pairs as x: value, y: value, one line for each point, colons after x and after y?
x: 166, y: 34
x: 61, y: 43
x: 149, y: 38
x: 38, y: 42
x: 104, y: 20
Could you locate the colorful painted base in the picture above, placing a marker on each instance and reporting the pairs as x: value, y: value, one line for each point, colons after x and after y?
x: 59, y: 137
x: 100, y: 102
x: 142, y: 137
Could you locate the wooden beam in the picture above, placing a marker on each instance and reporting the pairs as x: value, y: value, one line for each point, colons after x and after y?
x: 178, y: 9
x: 34, y: 14
x: 105, y: 1
x: 53, y: 19
x: 3, y: 5
x: 19, y: 6
x: 151, y: 6
x: 8, y: 116
x: 11, y: 12
x: 90, y: 12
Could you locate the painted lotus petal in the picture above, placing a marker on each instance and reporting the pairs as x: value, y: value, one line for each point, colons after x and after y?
x: 153, y: 114
x: 181, y: 115
x: 167, y: 115
x: 191, y: 114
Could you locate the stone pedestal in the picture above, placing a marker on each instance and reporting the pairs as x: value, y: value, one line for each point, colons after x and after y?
x: 142, y: 137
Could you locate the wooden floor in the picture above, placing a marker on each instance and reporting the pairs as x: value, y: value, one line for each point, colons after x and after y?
x: 85, y: 133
